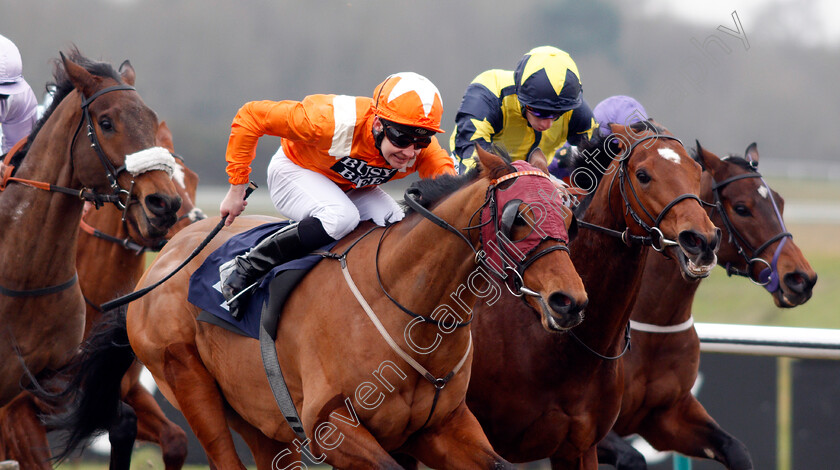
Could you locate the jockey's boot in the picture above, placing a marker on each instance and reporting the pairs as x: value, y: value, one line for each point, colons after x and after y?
x: 240, y: 275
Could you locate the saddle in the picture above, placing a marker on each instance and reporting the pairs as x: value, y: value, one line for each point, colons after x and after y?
x: 272, y: 292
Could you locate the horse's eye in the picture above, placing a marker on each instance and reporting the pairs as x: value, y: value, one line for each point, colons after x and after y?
x: 643, y: 177
x: 742, y: 210
x: 105, y: 124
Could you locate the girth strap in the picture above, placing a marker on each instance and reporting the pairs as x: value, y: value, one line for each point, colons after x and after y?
x: 42, y: 291
x: 275, y: 377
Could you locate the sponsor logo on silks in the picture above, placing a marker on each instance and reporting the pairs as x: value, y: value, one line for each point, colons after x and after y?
x: 360, y: 173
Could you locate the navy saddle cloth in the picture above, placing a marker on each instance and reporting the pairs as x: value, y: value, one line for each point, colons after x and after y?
x: 205, y: 285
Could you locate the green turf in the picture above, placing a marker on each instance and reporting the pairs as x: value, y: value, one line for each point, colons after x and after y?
x: 721, y: 299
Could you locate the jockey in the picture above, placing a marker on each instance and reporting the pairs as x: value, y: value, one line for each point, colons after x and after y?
x: 18, y: 104
x: 619, y: 109
x: 335, y: 151
x: 540, y: 104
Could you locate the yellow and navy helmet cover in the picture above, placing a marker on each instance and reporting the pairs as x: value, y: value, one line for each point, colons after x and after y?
x: 547, y: 78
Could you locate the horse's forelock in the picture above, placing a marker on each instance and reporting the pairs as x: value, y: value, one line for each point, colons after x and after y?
x: 740, y: 162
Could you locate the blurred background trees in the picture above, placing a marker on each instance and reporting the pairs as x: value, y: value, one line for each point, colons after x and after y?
x: 198, y: 61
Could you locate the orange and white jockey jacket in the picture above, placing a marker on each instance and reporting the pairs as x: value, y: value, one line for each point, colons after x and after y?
x: 328, y: 134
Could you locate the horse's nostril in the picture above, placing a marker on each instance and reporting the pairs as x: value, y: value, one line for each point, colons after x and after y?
x: 798, y: 282
x: 561, y: 303
x: 162, y: 205
x: 715, y: 244
x: 691, y: 242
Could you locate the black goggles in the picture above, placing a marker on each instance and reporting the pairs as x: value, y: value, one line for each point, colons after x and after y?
x: 402, y: 139
x: 544, y: 113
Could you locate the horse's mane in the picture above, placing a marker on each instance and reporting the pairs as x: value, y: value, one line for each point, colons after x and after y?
x: 436, y: 189
x: 736, y: 160
x: 739, y: 162
x: 61, y: 86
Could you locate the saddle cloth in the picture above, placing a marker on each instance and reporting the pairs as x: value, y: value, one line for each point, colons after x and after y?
x: 205, y: 285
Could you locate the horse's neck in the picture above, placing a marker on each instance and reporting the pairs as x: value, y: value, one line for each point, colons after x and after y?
x: 105, y: 266
x: 39, y: 238
x: 611, y: 272
x: 665, y: 298
x: 38, y: 224
x: 426, y: 269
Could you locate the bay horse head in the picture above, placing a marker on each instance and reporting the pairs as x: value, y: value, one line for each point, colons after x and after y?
x: 518, y: 228
x: 186, y: 184
x: 659, y: 184
x: 113, y: 149
x: 758, y: 245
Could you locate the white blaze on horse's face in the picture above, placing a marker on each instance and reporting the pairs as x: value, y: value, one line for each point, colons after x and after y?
x: 762, y: 190
x: 669, y: 155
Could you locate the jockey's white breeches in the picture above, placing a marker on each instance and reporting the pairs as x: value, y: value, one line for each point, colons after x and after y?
x: 298, y: 193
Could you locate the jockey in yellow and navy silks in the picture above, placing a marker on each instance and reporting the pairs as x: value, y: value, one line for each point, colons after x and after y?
x: 540, y: 104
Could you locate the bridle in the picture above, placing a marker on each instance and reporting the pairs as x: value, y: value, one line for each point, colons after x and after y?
x: 110, y: 171
x: 97, y: 199
x: 769, y: 276
x: 655, y: 238
x: 194, y: 215
x: 85, y: 194
x: 510, y: 263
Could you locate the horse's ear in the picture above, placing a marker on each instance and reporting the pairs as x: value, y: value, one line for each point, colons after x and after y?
x: 127, y: 73
x: 571, y: 224
x: 706, y: 159
x: 495, y: 165
x: 698, y: 154
x: 537, y: 158
x: 82, y: 80
x: 163, y: 137
x: 751, y: 154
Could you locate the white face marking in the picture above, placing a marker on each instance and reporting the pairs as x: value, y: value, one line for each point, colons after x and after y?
x: 763, y: 191
x: 669, y: 155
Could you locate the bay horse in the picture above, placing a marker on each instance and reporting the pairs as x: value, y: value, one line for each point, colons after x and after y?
x: 113, y: 159
x: 330, y: 356
x: 540, y: 395
x: 110, y: 258
x: 662, y: 367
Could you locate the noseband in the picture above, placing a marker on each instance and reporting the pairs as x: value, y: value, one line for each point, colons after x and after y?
x: 769, y: 276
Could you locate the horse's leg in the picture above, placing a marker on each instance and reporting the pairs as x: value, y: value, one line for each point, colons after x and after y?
x: 687, y: 428
x: 201, y: 403
x: 268, y: 453
x: 615, y: 451
x: 153, y: 426
x: 587, y: 461
x: 457, y: 442
x: 348, y: 445
x: 22, y: 436
x: 122, y: 435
